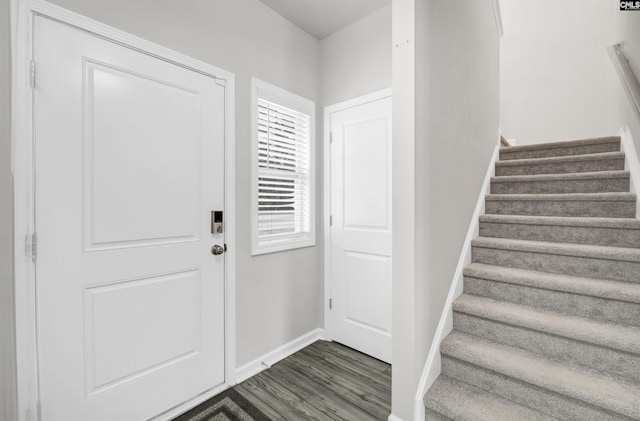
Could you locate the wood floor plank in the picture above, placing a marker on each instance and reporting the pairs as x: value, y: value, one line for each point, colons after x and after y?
x: 282, y: 378
x: 324, y: 382
x: 354, y: 392
x: 285, y: 402
x: 363, y: 363
x: 346, y: 378
x: 386, y: 376
x: 281, y: 403
x: 349, y: 366
x: 330, y: 403
x: 258, y: 403
x: 351, y: 354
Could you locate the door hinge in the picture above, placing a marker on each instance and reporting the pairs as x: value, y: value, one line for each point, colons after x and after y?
x: 31, y: 246
x: 34, y: 247
x: 32, y: 74
x: 330, y: 220
x: 330, y: 303
x: 28, y: 246
x: 330, y: 137
x: 39, y: 411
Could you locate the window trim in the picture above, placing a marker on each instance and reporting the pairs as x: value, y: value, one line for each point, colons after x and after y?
x: 268, y: 92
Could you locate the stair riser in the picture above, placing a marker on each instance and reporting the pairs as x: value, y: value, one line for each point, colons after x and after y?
x: 562, y: 167
x: 545, y: 401
x: 562, y: 186
x: 609, y: 209
x: 611, y: 237
x: 568, y: 265
x: 574, y: 304
x: 560, y: 348
x: 506, y: 154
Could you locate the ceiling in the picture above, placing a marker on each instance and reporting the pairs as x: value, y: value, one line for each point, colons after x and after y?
x: 322, y: 18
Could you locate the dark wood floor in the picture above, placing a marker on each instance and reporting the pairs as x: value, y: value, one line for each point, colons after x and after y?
x: 324, y: 381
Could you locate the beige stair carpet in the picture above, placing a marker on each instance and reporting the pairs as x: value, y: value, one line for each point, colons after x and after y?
x: 548, y: 326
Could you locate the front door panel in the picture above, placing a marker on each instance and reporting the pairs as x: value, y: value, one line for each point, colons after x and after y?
x: 129, y: 164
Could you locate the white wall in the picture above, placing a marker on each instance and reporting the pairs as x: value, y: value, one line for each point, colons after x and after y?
x: 557, y: 81
x: 626, y: 28
x: 554, y: 69
x: 446, y: 117
x: 7, y: 338
x: 357, y: 59
x: 278, y: 295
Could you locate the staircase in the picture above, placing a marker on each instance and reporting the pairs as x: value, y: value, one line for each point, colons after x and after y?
x: 548, y: 326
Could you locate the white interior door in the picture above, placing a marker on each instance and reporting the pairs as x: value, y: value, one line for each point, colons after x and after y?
x: 129, y: 164
x: 360, y: 314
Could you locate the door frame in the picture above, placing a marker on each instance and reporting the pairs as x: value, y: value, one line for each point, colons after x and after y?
x: 22, y: 164
x: 328, y: 110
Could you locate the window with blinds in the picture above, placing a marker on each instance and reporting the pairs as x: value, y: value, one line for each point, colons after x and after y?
x: 283, y: 188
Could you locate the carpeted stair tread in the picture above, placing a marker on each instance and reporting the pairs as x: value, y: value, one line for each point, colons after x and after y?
x: 603, y: 359
x: 562, y: 177
x: 562, y: 197
x: 613, y: 290
x: 569, y: 303
x: 615, y: 336
x: 607, y: 205
x: 584, y: 182
x: 617, y: 223
x: 612, y: 394
x: 613, y: 263
x: 612, y: 232
x: 434, y: 416
x: 456, y: 400
x: 560, y: 159
x: 606, y: 161
x: 563, y: 148
x: 564, y: 143
x: 581, y: 250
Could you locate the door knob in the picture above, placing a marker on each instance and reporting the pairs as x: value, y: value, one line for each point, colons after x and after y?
x: 217, y: 250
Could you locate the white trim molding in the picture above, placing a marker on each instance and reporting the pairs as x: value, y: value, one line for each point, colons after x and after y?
x: 497, y: 13
x: 631, y: 163
x: 22, y: 15
x: 326, y: 146
x: 265, y: 361
x: 394, y: 418
x: 432, y: 365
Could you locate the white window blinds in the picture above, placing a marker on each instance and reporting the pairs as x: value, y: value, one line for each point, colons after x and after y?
x: 283, y: 196
x: 283, y: 171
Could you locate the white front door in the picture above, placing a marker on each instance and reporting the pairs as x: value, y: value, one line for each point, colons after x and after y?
x: 129, y: 164
x: 360, y: 279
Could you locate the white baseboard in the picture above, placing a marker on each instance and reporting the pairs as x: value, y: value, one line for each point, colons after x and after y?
x: 267, y: 360
x: 394, y: 418
x: 432, y: 366
x: 631, y: 163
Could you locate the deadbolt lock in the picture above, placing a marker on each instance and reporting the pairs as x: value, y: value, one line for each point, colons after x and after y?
x: 217, y: 222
